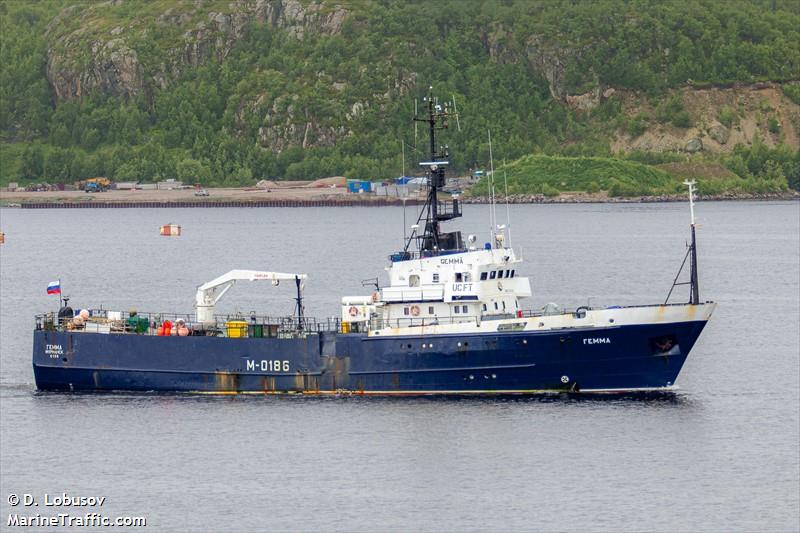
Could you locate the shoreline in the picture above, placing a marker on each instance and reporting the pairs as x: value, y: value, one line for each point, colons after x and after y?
x: 221, y: 198
x: 601, y: 198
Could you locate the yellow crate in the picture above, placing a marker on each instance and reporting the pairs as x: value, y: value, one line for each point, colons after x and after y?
x: 236, y: 329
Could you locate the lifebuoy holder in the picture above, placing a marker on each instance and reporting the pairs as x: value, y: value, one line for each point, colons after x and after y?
x: 414, y: 310
x: 353, y: 310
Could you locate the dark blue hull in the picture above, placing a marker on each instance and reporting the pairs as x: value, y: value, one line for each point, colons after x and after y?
x: 634, y: 357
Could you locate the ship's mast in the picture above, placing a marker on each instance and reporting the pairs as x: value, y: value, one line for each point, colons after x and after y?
x: 691, y: 255
x: 694, y: 288
x: 432, y: 241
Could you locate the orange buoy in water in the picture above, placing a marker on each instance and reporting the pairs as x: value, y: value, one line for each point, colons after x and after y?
x: 170, y: 230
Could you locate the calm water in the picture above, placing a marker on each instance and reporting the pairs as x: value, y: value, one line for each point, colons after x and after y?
x: 720, y: 454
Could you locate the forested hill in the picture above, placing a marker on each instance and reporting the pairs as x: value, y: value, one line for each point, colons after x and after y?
x: 229, y: 92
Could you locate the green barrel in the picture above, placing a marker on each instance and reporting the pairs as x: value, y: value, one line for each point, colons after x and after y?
x: 255, y: 330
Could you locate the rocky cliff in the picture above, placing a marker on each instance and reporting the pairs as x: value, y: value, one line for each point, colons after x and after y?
x: 89, y: 50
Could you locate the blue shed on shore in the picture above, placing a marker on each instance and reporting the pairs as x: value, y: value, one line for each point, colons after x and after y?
x: 358, y: 186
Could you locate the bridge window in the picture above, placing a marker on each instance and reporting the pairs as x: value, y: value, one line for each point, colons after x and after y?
x: 508, y: 273
x: 458, y: 277
x: 492, y: 274
x: 499, y: 274
x: 467, y: 277
x: 513, y: 273
x: 495, y: 306
x: 483, y: 276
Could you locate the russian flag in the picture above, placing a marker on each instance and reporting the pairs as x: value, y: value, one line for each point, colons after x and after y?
x: 54, y: 287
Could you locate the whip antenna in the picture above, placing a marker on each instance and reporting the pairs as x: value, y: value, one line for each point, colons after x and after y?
x: 455, y: 112
x: 492, y: 210
x: 508, y: 212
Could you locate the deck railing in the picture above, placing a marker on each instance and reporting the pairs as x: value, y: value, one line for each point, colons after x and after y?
x: 253, y: 325
x: 144, y: 323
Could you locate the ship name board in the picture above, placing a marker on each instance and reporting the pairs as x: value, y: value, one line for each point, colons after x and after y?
x: 268, y: 365
x: 452, y: 261
x: 462, y: 287
x: 54, y: 350
x: 597, y: 340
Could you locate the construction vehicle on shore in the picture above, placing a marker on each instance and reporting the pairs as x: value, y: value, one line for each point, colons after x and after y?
x: 94, y: 185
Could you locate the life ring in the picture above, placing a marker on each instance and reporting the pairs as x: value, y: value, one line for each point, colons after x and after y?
x: 375, y: 296
x: 415, y: 310
x: 353, y: 310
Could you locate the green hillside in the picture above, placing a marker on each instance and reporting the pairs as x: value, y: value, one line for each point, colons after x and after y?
x: 222, y: 93
x: 550, y: 175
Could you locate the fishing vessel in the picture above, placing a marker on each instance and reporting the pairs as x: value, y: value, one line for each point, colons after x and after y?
x: 450, y: 320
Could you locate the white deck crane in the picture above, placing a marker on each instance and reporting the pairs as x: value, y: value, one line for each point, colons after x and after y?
x: 208, y: 294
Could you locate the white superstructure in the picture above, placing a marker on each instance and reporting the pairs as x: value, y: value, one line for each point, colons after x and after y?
x: 449, y: 288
